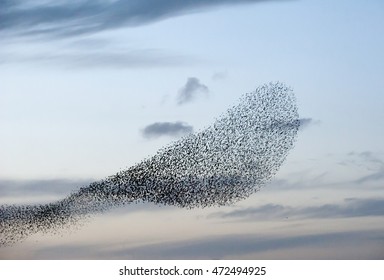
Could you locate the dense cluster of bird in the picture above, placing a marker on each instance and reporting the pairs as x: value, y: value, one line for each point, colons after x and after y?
x: 226, y: 162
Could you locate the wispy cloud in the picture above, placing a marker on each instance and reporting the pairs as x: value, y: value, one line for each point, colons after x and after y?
x: 369, y: 161
x: 240, y: 245
x: 69, y: 18
x: 306, y: 122
x: 37, y: 191
x: 115, y: 59
x: 350, y: 208
x: 172, y: 129
x: 14, y: 188
x: 190, y: 90
x: 377, y: 176
x: 220, y: 76
x: 339, y: 245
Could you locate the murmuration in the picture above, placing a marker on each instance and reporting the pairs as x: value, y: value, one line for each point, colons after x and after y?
x: 227, y: 162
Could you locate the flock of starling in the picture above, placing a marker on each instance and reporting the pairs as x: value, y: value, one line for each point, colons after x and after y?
x: 226, y: 162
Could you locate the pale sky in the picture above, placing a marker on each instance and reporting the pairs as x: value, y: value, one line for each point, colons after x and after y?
x: 88, y: 90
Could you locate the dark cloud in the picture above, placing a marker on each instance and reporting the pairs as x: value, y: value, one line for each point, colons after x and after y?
x: 351, y: 208
x: 192, y: 88
x: 69, y: 18
x: 173, y: 129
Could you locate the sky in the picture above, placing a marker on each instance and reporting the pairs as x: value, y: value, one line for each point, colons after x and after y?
x: 89, y: 88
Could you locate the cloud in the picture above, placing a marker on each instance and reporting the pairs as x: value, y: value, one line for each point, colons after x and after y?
x: 96, y: 52
x: 69, y: 18
x: 159, y: 129
x: 14, y: 188
x: 99, y: 59
x: 358, y: 244
x: 377, y: 176
x: 241, y: 245
x: 305, y: 122
x: 367, y: 160
x: 192, y: 88
x: 219, y: 76
x: 351, y: 208
x: 37, y: 191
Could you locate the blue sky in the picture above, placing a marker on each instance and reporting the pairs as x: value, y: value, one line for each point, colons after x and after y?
x: 88, y: 90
